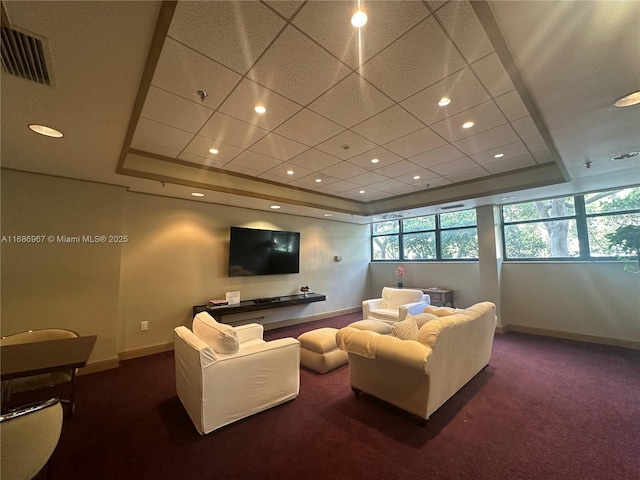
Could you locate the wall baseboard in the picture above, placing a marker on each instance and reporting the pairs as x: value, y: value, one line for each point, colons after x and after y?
x: 615, y: 342
x: 100, y: 366
x: 143, y: 352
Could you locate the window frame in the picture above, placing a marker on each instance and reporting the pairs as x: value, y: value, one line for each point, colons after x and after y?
x: 581, y: 218
x: 437, y: 230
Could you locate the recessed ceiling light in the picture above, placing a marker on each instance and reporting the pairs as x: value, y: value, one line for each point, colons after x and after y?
x: 197, y: 194
x: 468, y: 125
x: 361, y: 191
x: 375, y: 160
x: 318, y: 180
x: 416, y: 177
x: 213, y: 151
x: 498, y: 155
x: 359, y: 19
x: 46, y: 131
x: 625, y: 156
x: 627, y: 101
x: 328, y: 215
x: 444, y: 101
x: 290, y: 172
x: 260, y: 109
x: 275, y: 207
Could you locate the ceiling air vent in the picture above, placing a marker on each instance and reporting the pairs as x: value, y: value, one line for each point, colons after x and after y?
x: 23, y: 56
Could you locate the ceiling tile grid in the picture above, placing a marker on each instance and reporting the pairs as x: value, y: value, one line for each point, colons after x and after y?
x: 336, y: 97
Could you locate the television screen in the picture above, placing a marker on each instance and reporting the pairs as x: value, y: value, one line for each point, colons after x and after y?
x: 263, y: 252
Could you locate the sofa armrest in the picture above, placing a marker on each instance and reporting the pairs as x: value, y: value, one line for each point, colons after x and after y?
x: 414, y: 308
x: 368, y: 305
x: 250, y: 331
x: 281, y: 346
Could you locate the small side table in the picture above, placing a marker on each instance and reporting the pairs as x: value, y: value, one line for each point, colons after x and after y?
x: 440, y: 297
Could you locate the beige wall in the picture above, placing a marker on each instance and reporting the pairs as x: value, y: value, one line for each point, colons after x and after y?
x: 58, y: 284
x: 175, y: 257
x: 595, y: 299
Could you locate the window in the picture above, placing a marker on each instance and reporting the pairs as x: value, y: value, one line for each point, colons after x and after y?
x: 448, y: 236
x: 568, y: 227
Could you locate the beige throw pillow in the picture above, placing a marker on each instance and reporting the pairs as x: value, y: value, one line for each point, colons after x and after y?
x: 423, y: 318
x: 219, y: 336
x: 429, y: 332
x: 406, y: 329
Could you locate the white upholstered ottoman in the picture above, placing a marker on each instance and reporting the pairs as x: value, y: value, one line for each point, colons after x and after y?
x: 319, y: 351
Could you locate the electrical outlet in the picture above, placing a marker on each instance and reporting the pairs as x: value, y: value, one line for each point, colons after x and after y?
x: 144, y: 326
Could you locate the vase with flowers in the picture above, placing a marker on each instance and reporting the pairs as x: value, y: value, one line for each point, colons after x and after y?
x: 399, y: 275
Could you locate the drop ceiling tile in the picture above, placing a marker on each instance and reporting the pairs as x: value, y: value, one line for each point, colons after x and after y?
x: 280, y: 172
x: 437, y: 156
x: 399, y: 169
x: 389, y: 184
x: 485, y: 116
x: 496, y: 137
x: 314, y: 160
x: 388, y: 125
x: 467, y: 175
x: 526, y: 128
x: 297, y: 128
x: 351, y: 101
x: 161, y: 135
x: 462, y: 24
x: 509, y: 152
x: 241, y: 169
x: 278, y: 147
x: 512, y: 105
x: 309, y: 181
x: 224, y: 128
x: 454, y: 166
x: 436, y: 182
x: 403, y: 69
x: 405, y: 189
x: 512, y: 164
x: 253, y: 161
x: 285, y: 7
x: 492, y: 74
x: 417, y: 142
x: 328, y: 23
x: 219, y: 30
x: 242, y: 101
x: 536, y: 144
x: 297, y: 68
x: 335, y: 146
x: 156, y: 149
x: 200, y: 146
x: 164, y: 107
x: 463, y: 88
x: 369, y: 178
x: 343, y: 170
x: 425, y: 176
x: 183, y: 71
x: 268, y: 176
x: 384, y: 156
x: 341, y: 186
x: 543, y: 156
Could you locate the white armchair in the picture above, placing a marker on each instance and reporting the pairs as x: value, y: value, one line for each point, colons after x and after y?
x: 224, y: 374
x: 394, y: 304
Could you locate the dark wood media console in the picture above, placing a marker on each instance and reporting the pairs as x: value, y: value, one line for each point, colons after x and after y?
x: 258, y: 304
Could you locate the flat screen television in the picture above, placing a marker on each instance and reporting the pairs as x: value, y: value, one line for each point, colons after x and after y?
x: 263, y: 252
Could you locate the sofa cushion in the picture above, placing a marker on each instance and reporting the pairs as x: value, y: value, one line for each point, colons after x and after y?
x: 406, y: 329
x: 429, y: 332
x: 440, y: 311
x: 219, y: 336
x: 423, y: 318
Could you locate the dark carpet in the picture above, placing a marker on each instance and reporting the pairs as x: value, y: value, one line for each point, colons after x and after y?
x: 544, y: 409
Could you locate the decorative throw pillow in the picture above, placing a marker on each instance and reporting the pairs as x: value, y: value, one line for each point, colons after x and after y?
x: 440, y: 311
x: 429, y: 332
x: 219, y: 336
x: 423, y: 318
x: 406, y: 329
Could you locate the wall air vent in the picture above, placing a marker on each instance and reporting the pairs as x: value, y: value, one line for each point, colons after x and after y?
x: 23, y: 56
